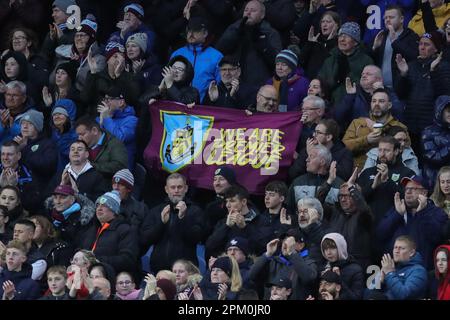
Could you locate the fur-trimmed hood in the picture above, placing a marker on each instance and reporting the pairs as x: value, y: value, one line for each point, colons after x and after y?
x: 87, y: 211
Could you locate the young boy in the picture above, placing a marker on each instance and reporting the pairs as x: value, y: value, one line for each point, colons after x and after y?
x: 56, y: 280
x: 275, y: 220
x: 15, y: 279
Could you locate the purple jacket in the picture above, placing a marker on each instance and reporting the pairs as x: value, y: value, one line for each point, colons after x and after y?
x: 298, y: 89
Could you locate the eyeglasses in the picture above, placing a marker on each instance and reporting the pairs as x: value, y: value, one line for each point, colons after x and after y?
x: 317, y: 132
x: 269, y: 98
x: 126, y: 282
x: 179, y: 69
x: 342, y: 196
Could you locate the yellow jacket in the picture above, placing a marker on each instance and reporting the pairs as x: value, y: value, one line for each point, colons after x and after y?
x: 355, y: 137
x: 441, y: 14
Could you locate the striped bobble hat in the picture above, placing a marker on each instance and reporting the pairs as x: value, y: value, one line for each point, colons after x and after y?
x: 289, y: 57
x: 124, y: 177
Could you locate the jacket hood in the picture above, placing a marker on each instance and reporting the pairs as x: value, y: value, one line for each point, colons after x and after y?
x: 69, y: 105
x: 341, y: 244
x: 189, y: 72
x: 439, y: 106
x: 23, y: 65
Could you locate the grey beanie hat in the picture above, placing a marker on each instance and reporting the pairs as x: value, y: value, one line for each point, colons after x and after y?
x: 352, y: 30
x: 111, y: 200
x: 140, y: 39
x: 36, y: 118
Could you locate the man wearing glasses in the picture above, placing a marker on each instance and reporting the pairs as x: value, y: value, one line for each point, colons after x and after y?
x: 415, y: 216
x: 230, y: 92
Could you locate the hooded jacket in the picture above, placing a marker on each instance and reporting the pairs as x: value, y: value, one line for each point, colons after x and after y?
x: 205, y: 61
x: 182, y: 91
x: 63, y: 140
x: 444, y: 280
x: 408, y: 281
x: 351, y: 273
x: 75, y: 218
x: 436, y: 141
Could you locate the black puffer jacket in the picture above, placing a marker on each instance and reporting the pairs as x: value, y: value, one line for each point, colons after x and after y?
x: 116, y: 245
x: 173, y: 240
x: 420, y: 87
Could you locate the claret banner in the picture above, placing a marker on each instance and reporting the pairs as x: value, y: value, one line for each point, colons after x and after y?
x: 195, y: 142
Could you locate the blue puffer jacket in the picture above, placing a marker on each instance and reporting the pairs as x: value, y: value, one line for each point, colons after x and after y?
x: 64, y: 140
x: 436, y: 142
x: 408, y: 281
x: 122, y: 125
x: 206, y: 65
x: 8, y: 133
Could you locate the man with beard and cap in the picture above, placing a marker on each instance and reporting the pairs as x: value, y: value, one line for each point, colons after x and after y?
x: 330, y: 286
x: 174, y: 227
x: 380, y: 182
x: 364, y: 133
x: 415, y: 216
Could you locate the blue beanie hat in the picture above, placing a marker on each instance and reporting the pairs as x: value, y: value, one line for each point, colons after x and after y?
x: 66, y: 107
x: 352, y: 30
x: 289, y: 57
x: 135, y: 9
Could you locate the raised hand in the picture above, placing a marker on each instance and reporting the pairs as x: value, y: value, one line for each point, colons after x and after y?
x: 182, y: 209
x: 349, y: 86
x: 137, y: 65
x: 8, y: 290
x: 401, y: 64
x: 387, y: 264
x: 165, y: 214
x: 332, y: 175
x: 47, y: 96
x: 284, y: 217
x: 378, y: 40
x: 167, y: 74
x: 2, y: 86
x: 351, y: 181
x: 311, y: 36
x: 234, y: 87
x: 399, y: 204
x: 333, y: 32
x: 222, y: 291
x: 271, y: 247
x: 119, y: 67
x: 436, y: 61
x: 423, y: 201
x: 93, y: 67
x: 213, y: 91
